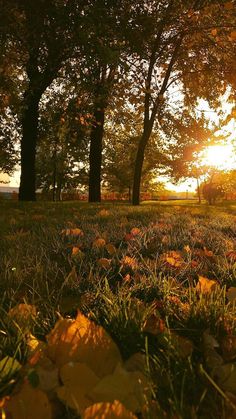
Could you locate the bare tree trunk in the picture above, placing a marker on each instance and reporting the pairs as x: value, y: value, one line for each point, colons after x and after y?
x: 198, y: 191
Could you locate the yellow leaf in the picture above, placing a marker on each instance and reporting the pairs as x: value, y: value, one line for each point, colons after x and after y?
x: 114, y: 410
x: 99, y: 243
x: 214, y: 32
x: 8, y: 366
x: 23, y: 314
x: 233, y: 35
x: 72, y: 232
x: 29, y: 403
x: 127, y: 261
x: 231, y: 294
x: 111, y: 249
x: 130, y: 388
x: 205, y: 285
x: 104, y: 263
x: 78, y: 379
x: 104, y: 213
x: 81, y: 340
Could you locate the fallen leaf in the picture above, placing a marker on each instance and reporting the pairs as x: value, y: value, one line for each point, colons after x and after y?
x: 23, y: 314
x: 81, y: 340
x: 111, y: 249
x: 130, y: 388
x: 174, y: 259
x: 29, y: 403
x: 228, y: 346
x: 104, y: 263
x: 135, y: 231
x: 8, y: 366
x: 114, y: 410
x: 129, y: 262
x: 231, y: 294
x: 72, y: 232
x: 226, y: 377
x: 99, y: 243
x: 78, y: 379
x: 205, y: 285
x: 154, y: 325
x: 104, y: 213
x: 182, y: 345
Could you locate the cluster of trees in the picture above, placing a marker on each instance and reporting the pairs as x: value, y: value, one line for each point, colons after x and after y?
x: 104, y: 92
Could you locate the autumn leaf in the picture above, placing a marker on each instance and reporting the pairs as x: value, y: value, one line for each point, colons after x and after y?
x: 81, y: 340
x: 23, y: 314
x: 205, y: 285
x: 135, y: 231
x: 111, y: 249
x: 29, y: 403
x: 154, y: 325
x: 8, y: 366
x: 233, y: 35
x: 72, y: 232
x: 174, y: 259
x: 214, y: 32
x: 228, y: 346
x: 231, y: 294
x: 104, y: 263
x: 99, y: 243
x: 226, y: 377
x: 229, y: 5
x: 78, y: 379
x: 77, y: 253
x: 115, y: 410
x: 130, y: 388
x: 104, y: 213
x: 182, y: 345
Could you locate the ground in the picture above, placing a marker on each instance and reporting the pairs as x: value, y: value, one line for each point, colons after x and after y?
x: 155, y: 284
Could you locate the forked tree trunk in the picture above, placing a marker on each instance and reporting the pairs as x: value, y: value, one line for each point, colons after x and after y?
x: 28, y: 148
x: 95, y: 155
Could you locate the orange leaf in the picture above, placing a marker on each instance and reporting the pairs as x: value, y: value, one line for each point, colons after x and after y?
x: 72, y: 232
x: 114, y: 410
x: 81, y: 340
x: 104, y: 263
x: 29, y: 403
x: 205, y: 285
x: 111, y: 249
x: 135, y: 231
x: 98, y: 243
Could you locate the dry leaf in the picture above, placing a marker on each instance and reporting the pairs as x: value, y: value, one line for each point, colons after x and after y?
x: 78, y: 379
x: 29, y: 403
x: 205, y: 285
x: 174, y: 259
x: 72, y: 232
x: 130, y: 388
x: 23, y: 314
x: 81, y: 340
x: 104, y: 263
x: 99, y: 243
x: 104, y: 213
x: 228, y: 346
x: 135, y: 231
x: 154, y: 325
x: 226, y: 377
x: 231, y: 294
x: 114, y: 410
x: 111, y: 249
x: 128, y: 262
x: 183, y: 346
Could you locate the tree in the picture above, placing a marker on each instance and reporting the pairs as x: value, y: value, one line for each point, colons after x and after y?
x: 181, y: 31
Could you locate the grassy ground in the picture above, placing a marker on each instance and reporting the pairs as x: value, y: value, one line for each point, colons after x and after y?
x: 159, y: 278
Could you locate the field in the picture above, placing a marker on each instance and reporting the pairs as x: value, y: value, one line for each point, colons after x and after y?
x: 153, y: 289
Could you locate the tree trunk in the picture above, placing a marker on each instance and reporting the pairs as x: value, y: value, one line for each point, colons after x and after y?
x: 198, y: 191
x: 138, y: 168
x: 28, y: 147
x: 95, y: 156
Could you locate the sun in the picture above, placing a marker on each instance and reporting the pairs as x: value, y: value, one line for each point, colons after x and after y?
x: 219, y: 156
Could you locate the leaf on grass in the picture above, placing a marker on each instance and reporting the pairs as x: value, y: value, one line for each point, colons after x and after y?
x: 128, y: 262
x: 111, y: 249
x: 78, y: 379
x: 8, y: 366
x: 99, y: 243
x: 114, y: 410
x: 226, y: 377
x: 174, y: 259
x: 231, y: 256
x: 205, y: 285
x: 104, y: 213
x: 77, y: 253
x: 154, y: 325
x: 29, y: 403
x: 182, y: 345
x: 135, y: 231
x: 23, y: 314
x: 233, y: 35
x: 208, y: 253
x: 81, y: 340
x: 104, y: 263
x: 231, y: 294
x: 72, y: 232
x: 130, y: 388
x: 228, y: 346
x: 212, y: 358
x: 137, y: 362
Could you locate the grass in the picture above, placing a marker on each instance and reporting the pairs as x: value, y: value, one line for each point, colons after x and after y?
x: 147, y: 302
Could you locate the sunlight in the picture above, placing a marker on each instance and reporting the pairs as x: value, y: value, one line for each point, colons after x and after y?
x: 220, y: 156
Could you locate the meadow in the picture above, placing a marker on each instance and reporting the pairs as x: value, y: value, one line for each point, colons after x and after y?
x: 114, y: 311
